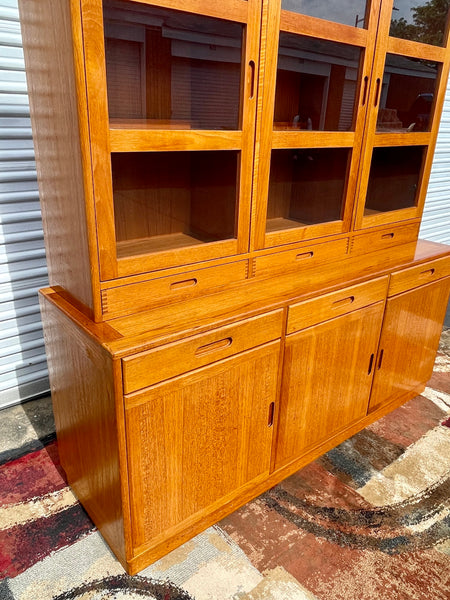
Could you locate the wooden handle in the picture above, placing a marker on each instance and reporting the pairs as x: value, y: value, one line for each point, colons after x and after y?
x: 303, y: 255
x: 186, y: 283
x: 372, y: 356
x: 251, y: 76
x: 428, y: 273
x: 377, y: 91
x: 380, y: 359
x: 364, y: 94
x: 343, y: 302
x: 214, y: 346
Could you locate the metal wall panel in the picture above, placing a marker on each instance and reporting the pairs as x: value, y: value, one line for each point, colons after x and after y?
x: 23, y: 368
x: 436, y: 216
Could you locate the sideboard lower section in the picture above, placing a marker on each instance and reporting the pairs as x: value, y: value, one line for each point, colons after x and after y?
x: 159, y: 444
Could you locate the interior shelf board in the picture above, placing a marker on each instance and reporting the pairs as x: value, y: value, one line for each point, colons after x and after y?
x: 166, y: 124
x: 278, y: 223
x: 159, y: 243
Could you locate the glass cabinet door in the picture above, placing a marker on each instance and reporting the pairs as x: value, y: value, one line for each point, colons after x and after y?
x: 410, y: 75
x: 171, y: 92
x: 319, y: 57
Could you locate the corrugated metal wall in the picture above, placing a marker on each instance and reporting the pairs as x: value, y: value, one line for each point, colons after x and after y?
x: 23, y: 369
x: 436, y: 216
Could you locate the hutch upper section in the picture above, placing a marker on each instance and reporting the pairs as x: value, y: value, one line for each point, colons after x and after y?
x: 191, y: 135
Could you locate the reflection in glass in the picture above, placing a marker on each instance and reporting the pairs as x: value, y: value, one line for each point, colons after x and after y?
x: 420, y: 20
x: 348, y: 12
x: 168, y: 200
x: 306, y: 187
x: 394, y: 177
x: 407, y: 94
x: 316, y: 84
x: 171, y: 69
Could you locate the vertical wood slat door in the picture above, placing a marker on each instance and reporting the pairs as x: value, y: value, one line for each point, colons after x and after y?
x: 313, y: 95
x: 195, y: 440
x: 410, y: 73
x: 327, y: 376
x: 410, y: 337
x: 171, y: 89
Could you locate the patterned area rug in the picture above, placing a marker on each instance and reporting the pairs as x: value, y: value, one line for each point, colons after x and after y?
x: 369, y: 520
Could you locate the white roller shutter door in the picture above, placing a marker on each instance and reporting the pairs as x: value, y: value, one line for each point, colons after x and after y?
x: 23, y: 368
x: 436, y: 216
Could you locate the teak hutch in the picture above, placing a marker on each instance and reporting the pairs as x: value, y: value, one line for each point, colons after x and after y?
x: 231, y: 195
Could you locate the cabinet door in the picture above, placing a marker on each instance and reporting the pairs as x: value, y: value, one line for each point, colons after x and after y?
x: 314, y: 91
x: 172, y: 104
x: 411, y: 330
x: 195, y: 440
x: 409, y: 80
x: 327, y: 377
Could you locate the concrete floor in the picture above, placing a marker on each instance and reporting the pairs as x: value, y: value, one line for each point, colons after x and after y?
x: 23, y: 424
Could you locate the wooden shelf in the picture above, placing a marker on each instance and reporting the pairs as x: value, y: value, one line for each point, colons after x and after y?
x: 283, y: 223
x: 166, y: 124
x: 159, y: 243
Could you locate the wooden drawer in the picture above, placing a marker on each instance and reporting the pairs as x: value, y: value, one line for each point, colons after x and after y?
x: 413, y: 277
x: 300, y: 258
x: 126, y: 299
x: 148, y: 368
x: 308, y: 313
x: 386, y: 238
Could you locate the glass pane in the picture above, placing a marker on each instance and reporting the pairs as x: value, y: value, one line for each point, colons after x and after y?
x: 316, y: 84
x: 350, y: 12
x: 407, y: 94
x: 394, y: 178
x: 169, y: 200
x: 419, y: 20
x: 167, y: 68
x: 306, y: 187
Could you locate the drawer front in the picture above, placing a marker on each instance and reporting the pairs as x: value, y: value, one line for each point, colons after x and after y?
x: 413, y: 277
x: 157, y: 365
x: 141, y: 296
x: 300, y: 258
x: 308, y: 313
x: 386, y: 238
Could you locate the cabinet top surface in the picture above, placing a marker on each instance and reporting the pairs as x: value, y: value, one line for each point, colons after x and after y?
x: 127, y: 335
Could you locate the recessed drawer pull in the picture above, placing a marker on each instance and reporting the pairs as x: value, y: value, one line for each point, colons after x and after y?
x: 271, y: 413
x: 343, y: 302
x: 186, y: 283
x: 304, y: 255
x: 428, y: 273
x: 387, y: 236
x: 214, y: 346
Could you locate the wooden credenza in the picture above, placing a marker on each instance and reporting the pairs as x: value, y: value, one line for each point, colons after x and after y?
x: 231, y: 196
x: 164, y: 427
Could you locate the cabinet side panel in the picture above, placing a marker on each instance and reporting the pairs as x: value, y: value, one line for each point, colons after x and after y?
x: 82, y: 385
x: 50, y: 68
